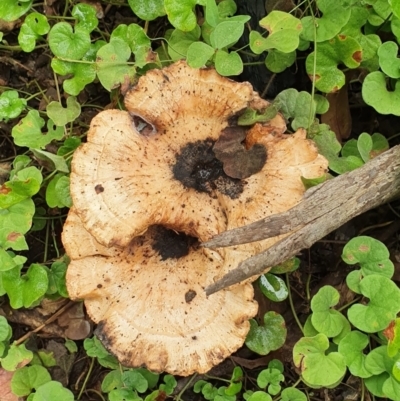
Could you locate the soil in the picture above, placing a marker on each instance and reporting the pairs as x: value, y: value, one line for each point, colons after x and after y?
x: 31, y: 74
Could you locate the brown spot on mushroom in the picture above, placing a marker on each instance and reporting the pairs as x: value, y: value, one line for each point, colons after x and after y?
x: 189, y: 296
x: 99, y: 189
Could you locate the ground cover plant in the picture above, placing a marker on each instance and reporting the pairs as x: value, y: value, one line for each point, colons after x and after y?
x: 328, y: 322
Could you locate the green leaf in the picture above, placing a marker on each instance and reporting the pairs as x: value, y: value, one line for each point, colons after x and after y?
x: 64, y: 115
x: 351, y: 347
x: 139, y: 42
x: 53, y: 161
x: 34, y: 26
x: 179, y: 42
x: 226, y: 33
x: 287, y: 266
x: 112, y: 67
x: 227, y: 8
x: 111, y: 381
x: 376, y: 94
x: 392, y: 334
x: 57, y: 278
x: 383, y: 306
x: 293, y: 394
x: 212, y: 14
x: 17, y: 356
x: 69, y: 145
x: 273, y: 287
x: 5, y: 329
x: 11, y: 10
x: 169, y: 384
x: 228, y: 64
x: 11, y: 106
x: 56, y: 194
x: 28, y: 378
x: 318, y: 368
x: 134, y: 380
x: 235, y: 382
x: 147, y: 10
x: 8, y: 261
x: 86, y: 16
x: 335, y: 17
x: 68, y: 44
x: 371, y: 254
x: 388, y: 60
x: 270, y: 378
x: 325, y: 319
x: 259, y: 396
x: 277, y: 61
x: 181, y: 14
x: 395, y: 5
x: 52, y: 390
x: 28, y: 132
x: 269, y: 337
x: 198, y: 54
x: 339, y: 50
x: 27, y: 289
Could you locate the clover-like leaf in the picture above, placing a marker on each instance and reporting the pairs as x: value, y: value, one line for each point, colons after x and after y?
x: 273, y: 287
x: 269, y: 337
x: 139, y: 42
x: 28, y: 378
x: 198, y: 54
x: 376, y: 94
x: 67, y: 43
x: 383, y: 306
x: 228, y: 64
x: 34, y: 26
x: 11, y: 105
x: 112, y: 67
x: 95, y: 348
x: 235, y: 382
x: 52, y: 390
x: 339, y: 50
x: 25, y: 290
x: 293, y: 394
x: 56, y: 275
x: 147, y: 9
x: 11, y: 10
x: 134, y: 380
x: 226, y: 33
x: 371, y: 254
x: 277, y: 61
x: 318, y: 368
x: 270, y: 379
x: 86, y: 16
x: 28, y: 132
x: 16, y: 357
x: 351, y: 347
x: 181, y: 14
x: 379, y: 12
x: 334, y: 18
x: 180, y: 41
x: 64, y: 115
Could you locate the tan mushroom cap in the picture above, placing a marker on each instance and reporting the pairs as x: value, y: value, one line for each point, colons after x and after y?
x: 154, y: 312
x: 122, y: 181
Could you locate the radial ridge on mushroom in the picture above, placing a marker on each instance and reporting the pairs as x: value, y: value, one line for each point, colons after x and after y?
x: 153, y: 181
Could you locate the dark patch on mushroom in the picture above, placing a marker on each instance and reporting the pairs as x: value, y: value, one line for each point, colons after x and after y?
x: 99, y: 188
x: 142, y: 126
x: 172, y: 245
x: 197, y: 167
x: 239, y: 162
x: 189, y: 296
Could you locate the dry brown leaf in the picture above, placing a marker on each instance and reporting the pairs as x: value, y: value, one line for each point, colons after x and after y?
x: 5, y: 386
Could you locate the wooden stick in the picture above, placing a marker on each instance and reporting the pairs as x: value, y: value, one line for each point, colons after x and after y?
x: 323, y: 209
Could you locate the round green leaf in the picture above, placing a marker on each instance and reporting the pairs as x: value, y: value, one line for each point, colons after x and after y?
x: 388, y: 60
x: 270, y: 379
x: 383, y: 306
x: 179, y: 42
x: 273, y: 287
x: 11, y: 105
x: 317, y: 367
x: 335, y: 16
x: 134, y: 380
x: 259, y: 396
x: 277, y: 61
x: 326, y: 320
x: 147, y: 9
x: 112, y: 67
x: 226, y: 33
x: 228, y: 64
x: 5, y: 329
x: 227, y: 8
x: 269, y: 337
x: 86, y: 16
x: 52, y: 390
x: 64, y: 115
x: 376, y: 94
x: 34, y: 26
x: 293, y: 394
x: 351, y: 347
x: 28, y: 378
x: 371, y: 254
x: 11, y: 10
x: 198, y: 54
x: 181, y: 14
x: 17, y: 356
x: 68, y: 44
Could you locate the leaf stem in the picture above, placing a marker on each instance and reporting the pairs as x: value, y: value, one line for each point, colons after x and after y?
x: 86, y: 379
x: 296, y: 318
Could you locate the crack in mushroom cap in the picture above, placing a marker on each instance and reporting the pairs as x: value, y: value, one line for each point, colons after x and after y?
x: 154, y: 312
x: 122, y: 179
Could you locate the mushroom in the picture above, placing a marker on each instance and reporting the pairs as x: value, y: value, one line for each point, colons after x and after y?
x: 166, y: 172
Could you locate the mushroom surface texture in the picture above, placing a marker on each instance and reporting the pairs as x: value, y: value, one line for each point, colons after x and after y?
x: 153, y: 181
